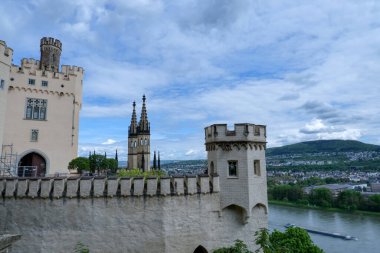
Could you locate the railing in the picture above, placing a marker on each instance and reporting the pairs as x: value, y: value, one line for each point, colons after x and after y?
x: 27, y: 171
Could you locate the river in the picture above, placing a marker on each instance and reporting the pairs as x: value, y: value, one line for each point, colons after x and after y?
x: 365, y: 227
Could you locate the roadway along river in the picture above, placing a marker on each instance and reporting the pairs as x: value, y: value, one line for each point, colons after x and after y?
x: 365, y: 227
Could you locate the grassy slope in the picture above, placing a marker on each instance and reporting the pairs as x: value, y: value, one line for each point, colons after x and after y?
x: 323, y: 146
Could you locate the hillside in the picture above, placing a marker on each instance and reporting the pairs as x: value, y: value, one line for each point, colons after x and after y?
x: 323, y: 146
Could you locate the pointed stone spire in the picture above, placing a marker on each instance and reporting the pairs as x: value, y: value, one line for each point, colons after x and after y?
x: 133, y: 126
x: 154, y: 161
x: 144, y: 123
x: 117, y: 160
x: 159, y: 161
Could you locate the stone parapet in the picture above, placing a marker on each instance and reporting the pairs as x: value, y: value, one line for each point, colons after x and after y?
x: 191, y: 184
x: 34, y: 188
x: 10, y: 187
x: 112, y: 186
x: 22, y: 187
x: 46, y: 184
x: 58, y: 187
x: 97, y: 187
x: 243, y: 135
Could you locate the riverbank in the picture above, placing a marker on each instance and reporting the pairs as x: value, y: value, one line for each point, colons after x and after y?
x: 330, y: 209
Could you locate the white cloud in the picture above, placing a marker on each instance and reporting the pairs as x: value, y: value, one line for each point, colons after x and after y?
x: 109, y: 142
x: 305, y: 69
x: 190, y: 152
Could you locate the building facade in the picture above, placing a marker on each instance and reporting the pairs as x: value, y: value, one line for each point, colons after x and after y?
x: 139, y: 140
x: 40, y: 118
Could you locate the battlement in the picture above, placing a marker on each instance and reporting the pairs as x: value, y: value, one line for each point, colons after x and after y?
x: 242, y: 132
x: 5, y: 51
x: 71, y: 70
x: 30, y: 63
x: 32, y: 67
x: 51, y: 42
x: 96, y: 187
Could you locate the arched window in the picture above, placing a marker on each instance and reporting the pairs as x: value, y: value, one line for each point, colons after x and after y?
x: 135, y: 144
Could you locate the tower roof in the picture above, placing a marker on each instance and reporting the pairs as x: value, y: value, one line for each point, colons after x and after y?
x: 144, y: 125
x: 133, y: 126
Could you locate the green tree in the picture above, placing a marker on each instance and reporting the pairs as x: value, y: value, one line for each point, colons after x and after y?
x: 349, y: 200
x: 81, y: 248
x: 373, y: 203
x: 80, y: 164
x: 293, y: 240
x: 286, y: 192
x: 321, y: 197
x: 238, y: 247
x: 263, y: 240
x: 112, y: 164
x: 97, y: 162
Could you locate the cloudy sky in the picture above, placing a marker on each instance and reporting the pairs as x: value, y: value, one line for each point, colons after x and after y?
x: 306, y: 69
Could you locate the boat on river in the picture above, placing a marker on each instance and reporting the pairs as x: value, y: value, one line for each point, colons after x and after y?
x: 335, y: 235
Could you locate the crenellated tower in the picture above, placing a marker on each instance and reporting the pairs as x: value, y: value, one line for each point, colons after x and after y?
x: 139, y: 140
x: 50, y: 54
x: 238, y: 157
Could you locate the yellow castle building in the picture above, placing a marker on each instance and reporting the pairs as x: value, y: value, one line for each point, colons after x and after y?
x: 39, y: 112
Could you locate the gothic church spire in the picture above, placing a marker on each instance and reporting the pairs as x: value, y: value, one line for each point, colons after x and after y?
x: 144, y: 126
x: 133, y: 126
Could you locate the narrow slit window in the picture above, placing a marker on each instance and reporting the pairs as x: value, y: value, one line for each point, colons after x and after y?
x: 256, y: 167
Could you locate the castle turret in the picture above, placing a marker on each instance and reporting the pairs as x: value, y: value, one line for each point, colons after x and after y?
x: 132, y: 140
x: 50, y: 54
x: 238, y: 157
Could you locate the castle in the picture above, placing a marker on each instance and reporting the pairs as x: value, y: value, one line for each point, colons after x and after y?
x: 139, y: 140
x: 192, y: 214
x: 39, y: 116
x: 39, y: 112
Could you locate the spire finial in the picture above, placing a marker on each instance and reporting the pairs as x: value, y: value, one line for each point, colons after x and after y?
x: 144, y: 98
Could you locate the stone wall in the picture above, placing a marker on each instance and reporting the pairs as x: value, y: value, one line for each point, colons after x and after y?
x: 170, y: 214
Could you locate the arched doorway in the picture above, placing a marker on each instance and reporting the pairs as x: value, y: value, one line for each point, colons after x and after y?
x: 32, y: 165
x: 200, y: 249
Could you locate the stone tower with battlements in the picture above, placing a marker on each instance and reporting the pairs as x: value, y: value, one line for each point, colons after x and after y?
x: 139, y: 140
x: 39, y: 111
x: 238, y: 157
x: 50, y: 54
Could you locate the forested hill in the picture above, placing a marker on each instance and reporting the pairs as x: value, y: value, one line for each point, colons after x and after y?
x: 323, y: 146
